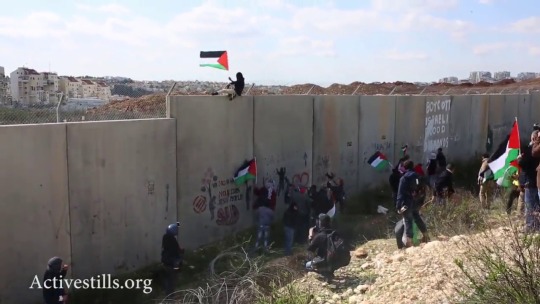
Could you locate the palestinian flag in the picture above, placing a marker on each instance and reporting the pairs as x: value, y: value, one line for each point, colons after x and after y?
x: 378, y: 161
x: 215, y: 59
x: 247, y: 172
x: 504, y: 161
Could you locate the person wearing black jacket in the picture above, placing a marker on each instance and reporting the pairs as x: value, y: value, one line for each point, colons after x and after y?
x: 54, y: 293
x: 393, y: 180
x: 528, y: 165
x: 171, y: 257
x: 238, y: 87
x: 290, y: 221
x: 444, y: 186
x: 318, y: 245
x: 409, y: 201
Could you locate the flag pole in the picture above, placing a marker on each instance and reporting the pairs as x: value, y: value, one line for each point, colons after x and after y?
x: 256, y: 174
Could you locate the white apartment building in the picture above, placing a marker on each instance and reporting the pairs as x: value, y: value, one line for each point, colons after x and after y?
x: 89, y: 88
x: 526, y: 75
x: 451, y: 79
x: 71, y: 87
x: 502, y: 75
x: 30, y: 87
x: 83, y: 88
x: 478, y: 76
x: 5, y: 95
x: 103, y: 91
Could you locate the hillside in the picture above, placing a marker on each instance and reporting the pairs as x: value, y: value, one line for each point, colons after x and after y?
x: 156, y: 102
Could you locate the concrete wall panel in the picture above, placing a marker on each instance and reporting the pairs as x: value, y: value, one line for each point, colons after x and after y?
x: 376, y: 133
x: 410, y: 126
x: 35, y: 212
x: 528, y: 112
x: 479, y: 124
x: 335, y: 139
x: 284, y: 138
x: 460, y: 146
x: 502, y: 113
x: 122, y: 193
x: 214, y: 138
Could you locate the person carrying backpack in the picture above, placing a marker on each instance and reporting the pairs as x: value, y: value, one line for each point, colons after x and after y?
x: 331, y: 251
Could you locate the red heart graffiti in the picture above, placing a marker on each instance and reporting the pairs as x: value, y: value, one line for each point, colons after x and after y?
x: 301, y: 179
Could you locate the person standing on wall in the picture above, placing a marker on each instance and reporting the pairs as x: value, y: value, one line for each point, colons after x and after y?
x: 486, y: 182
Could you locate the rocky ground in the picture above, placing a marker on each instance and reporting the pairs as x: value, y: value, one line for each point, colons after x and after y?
x: 379, y: 273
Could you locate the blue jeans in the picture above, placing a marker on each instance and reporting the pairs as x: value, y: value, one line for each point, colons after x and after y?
x: 263, y: 236
x: 532, y: 205
x: 289, y: 239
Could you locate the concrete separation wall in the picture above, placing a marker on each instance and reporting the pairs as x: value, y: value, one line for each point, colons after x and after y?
x: 376, y: 132
x: 335, y: 139
x: 283, y: 137
x: 214, y: 138
x: 118, y: 184
x: 35, y: 214
x: 122, y: 187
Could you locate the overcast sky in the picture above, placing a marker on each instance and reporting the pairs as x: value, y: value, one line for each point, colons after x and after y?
x: 272, y: 41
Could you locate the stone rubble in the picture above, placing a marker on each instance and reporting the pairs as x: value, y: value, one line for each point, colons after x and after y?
x: 424, y: 274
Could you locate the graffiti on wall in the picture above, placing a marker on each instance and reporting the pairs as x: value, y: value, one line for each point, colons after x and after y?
x: 220, y: 195
x: 437, y: 125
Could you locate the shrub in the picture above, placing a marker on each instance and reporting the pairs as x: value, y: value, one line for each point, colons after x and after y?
x: 502, y: 266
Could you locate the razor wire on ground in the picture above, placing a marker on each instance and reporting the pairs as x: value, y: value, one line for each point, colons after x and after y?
x: 236, y: 277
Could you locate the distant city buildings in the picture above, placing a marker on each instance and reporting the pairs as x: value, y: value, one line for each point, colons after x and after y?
x: 30, y: 87
x: 526, y: 76
x: 478, y: 76
x: 84, y: 88
x: 451, y: 79
x: 502, y: 75
x: 5, y: 91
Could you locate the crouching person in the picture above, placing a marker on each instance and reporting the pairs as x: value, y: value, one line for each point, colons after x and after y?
x: 409, y: 201
x: 318, y: 239
x: 171, y: 257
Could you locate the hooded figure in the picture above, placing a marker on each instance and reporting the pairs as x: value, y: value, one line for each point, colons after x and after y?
x: 54, y: 271
x: 171, y: 256
x: 239, y: 84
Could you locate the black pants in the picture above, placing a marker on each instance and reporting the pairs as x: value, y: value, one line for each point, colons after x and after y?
x: 514, y: 194
x: 302, y: 229
x: 170, y: 276
x: 407, y: 222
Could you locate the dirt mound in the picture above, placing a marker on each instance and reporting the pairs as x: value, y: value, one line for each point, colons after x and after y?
x: 302, y: 89
x: 147, y: 103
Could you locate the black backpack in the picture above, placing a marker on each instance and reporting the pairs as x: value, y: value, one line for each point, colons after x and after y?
x: 337, y: 251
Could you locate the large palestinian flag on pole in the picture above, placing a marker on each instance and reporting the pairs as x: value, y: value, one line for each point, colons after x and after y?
x: 503, y: 162
x: 215, y: 59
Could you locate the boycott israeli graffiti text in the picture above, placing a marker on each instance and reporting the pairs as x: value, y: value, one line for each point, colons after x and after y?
x: 437, y: 125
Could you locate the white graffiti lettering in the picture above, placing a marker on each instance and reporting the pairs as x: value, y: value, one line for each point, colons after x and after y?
x: 437, y: 125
